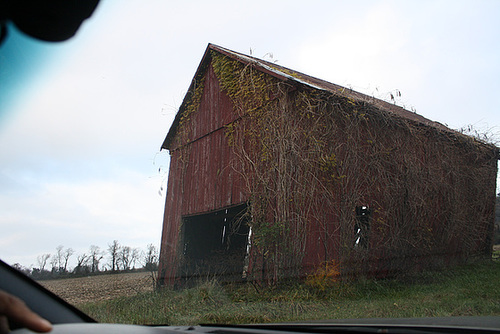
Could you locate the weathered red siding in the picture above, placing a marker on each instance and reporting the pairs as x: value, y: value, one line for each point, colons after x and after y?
x: 204, y: 179
x: 380, y: 162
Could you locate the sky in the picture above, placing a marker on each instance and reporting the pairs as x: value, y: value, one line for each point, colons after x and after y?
x: 82, y: 121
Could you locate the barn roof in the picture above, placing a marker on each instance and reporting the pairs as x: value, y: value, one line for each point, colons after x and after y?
x: 290, y: 75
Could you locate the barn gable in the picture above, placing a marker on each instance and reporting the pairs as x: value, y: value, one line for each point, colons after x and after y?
x: 274, y: 173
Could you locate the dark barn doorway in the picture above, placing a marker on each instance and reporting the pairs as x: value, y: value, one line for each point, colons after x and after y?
x: 215, y: 245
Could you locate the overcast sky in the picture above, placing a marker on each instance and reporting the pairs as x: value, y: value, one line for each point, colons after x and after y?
x: 81, y: 122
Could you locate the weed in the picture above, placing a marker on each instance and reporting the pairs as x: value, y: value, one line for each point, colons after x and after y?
x: 462, y: 291
x: 325, y: 277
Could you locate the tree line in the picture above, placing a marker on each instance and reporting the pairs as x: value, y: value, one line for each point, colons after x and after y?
x: 116, y: 258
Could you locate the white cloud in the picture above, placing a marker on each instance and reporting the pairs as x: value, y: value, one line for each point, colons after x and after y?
x: 79, y: 157
x: 434, y: 53
x: 369, y: 52
x: 78, y: 215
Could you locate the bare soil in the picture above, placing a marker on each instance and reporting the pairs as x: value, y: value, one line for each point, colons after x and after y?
x: 98, y: 288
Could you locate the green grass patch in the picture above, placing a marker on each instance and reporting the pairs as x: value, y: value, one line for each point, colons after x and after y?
x: 496, y: 253
x: 469, y: 290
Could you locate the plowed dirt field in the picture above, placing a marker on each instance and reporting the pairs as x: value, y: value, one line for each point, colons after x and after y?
x: 97, y: 288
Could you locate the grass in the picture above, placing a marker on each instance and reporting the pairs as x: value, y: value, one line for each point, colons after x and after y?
x: 463, y: 291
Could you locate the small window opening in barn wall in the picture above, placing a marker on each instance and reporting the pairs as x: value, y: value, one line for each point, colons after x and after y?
x: 362, y: 226
x: 215, y: 244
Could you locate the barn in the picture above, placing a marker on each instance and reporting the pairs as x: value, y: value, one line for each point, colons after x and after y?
x: 276, y: 174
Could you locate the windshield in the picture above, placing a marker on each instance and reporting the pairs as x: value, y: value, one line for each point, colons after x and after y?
x: 219, y: 162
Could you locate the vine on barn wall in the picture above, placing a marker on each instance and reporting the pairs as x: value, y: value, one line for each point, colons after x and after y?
x: 264, y: 148
x: 183, y: 144
x: 309, y: 158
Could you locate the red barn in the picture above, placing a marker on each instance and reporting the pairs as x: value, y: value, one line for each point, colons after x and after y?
x: 275, y: 174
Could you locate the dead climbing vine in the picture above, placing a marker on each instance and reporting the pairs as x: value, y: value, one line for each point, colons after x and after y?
x: 309, y: 158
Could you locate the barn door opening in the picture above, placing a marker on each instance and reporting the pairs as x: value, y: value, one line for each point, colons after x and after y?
x: 215, y: 244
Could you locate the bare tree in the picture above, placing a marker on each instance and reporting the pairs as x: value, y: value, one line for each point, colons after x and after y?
x: 96, y: 256
x: 151, y: 263
x: 82, y: 259
x: 124, y: 256
x: 134, y: 257
x: 113, y: 250
x: 59, y: 257
x: 151, y: 258
x: 82, y: 263
x: 53, y: 263
x: 66, y: 255
x: 42, y: 261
